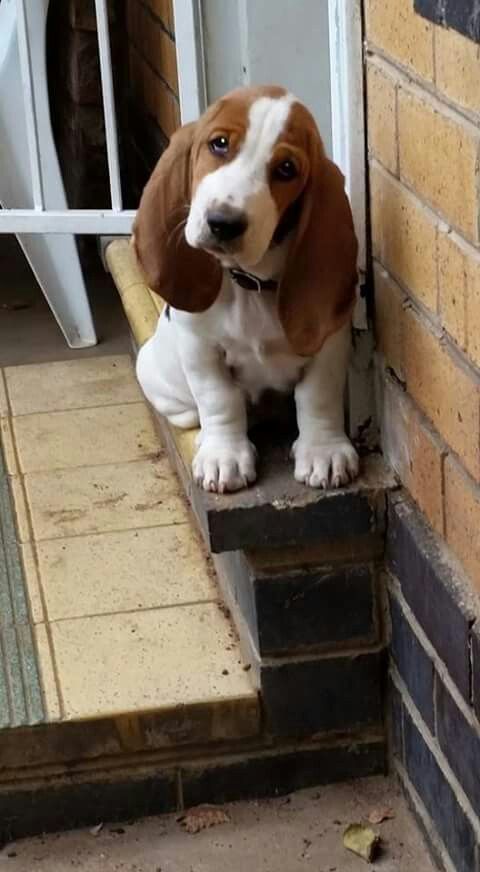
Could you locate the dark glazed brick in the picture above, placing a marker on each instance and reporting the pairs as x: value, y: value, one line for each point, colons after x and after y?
x: 427, y: 584
x: 428, y: 831
x: 30, y: 811
x: 263, y: 526
x: 395, y: 720
x: 288, y: 610
x: 461, y: 15
x: 475, y: 639
x: 306, y: 697
x: 315, y: 608
x: 439, y: 799
x: 277, y: 773
x: 431, y: 9
x: 464, y: 16
x: 413, y: 663
x: 460, y: 742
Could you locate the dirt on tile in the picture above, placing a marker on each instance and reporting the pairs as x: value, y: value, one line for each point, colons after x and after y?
x: 300, y: 832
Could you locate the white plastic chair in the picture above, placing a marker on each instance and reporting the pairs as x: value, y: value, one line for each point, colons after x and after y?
x: 53, y: 258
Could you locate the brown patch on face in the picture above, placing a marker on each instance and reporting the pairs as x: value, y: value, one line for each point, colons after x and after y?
x: 295, y: 145
x: 227, y: 117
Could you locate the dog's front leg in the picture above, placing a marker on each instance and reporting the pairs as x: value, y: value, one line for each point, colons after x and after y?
x: 324, y: 456
x: 225, y: 459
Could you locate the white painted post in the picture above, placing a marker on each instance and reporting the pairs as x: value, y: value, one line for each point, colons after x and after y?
x: 348, y: 125
x: 190, y: 59
x: 108, y: 94
x: 30, y: 113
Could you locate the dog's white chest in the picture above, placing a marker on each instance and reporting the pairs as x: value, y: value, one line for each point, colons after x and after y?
x: 254, y: 344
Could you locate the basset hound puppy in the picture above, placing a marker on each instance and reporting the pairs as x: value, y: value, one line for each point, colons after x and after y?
x: 245, y: 230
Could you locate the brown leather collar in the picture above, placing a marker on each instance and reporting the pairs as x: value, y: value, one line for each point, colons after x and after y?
x: 251, y: 282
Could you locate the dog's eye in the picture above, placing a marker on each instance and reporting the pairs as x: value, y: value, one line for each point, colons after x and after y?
x: 219, y: 145
x: 285, y: 171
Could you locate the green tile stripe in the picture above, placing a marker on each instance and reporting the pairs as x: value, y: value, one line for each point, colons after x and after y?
x: 20, y: 692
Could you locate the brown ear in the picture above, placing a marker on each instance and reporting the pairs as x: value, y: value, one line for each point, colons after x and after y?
x: 185, y: 277
x: 317, y: 292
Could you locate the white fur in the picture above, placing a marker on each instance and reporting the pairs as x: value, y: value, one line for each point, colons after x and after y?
x: 201, y: 368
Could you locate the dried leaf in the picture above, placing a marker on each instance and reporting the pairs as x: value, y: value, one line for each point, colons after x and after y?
x: 202, y: 817
x: 378, y: 815
x: 362, y: 841
x: 95, y: 831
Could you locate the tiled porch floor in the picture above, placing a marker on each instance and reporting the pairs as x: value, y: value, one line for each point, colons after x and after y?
x: 121, y: 596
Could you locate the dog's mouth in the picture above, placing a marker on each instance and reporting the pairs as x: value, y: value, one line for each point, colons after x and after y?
x: 226, y: 253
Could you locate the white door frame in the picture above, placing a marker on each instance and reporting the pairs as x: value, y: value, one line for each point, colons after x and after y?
x: 347, y: 97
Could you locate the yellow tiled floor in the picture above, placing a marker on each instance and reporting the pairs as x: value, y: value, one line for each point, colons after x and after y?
x: 121, y: 592
x: 71, y: 438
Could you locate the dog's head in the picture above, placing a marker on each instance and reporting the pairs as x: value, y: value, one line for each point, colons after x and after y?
x: 229, y: 187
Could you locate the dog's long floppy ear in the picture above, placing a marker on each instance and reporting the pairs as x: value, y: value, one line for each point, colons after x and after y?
x: 187, y: 278
x: 317, y: 293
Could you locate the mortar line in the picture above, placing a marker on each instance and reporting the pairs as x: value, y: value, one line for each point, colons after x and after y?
x: 427, y: 646
x: 424, y: 816
x: 411, y: 80
x: 436, y: 752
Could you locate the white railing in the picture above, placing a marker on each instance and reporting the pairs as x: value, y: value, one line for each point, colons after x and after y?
x: 41, y: 220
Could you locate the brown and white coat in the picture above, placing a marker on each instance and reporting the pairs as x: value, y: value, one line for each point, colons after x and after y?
x: 249, y: 187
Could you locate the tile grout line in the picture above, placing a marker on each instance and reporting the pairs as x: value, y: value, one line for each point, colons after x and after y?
x: 137, y: 402
x: 111, y: 532
x: 49, y: 635
x: 73, y: 409
x: 165, y: 608
x: 107, y: 532
x: 42, y: 597
x: 152, y: 458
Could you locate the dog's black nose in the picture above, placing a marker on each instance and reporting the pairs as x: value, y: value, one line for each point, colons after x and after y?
x: 226, y: 226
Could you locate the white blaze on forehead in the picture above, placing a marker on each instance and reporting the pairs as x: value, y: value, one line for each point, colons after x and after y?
x: 266, y: 121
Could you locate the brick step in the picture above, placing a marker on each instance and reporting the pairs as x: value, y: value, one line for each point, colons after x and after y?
x: 121, y: 786
x: 309, y: 622
x: 278, y: 511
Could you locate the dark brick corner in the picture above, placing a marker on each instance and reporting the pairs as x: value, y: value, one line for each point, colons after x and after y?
x: 459, y: 739
x: 433, y: 588
x: 439, y: 799
x: 475, y: 665
x: 413, y: 663
x: 460, y: 15
x: 332, y: 694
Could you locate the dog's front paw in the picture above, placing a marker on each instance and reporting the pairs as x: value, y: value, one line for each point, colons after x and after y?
x: 325, y: 464
x: 220, y: 466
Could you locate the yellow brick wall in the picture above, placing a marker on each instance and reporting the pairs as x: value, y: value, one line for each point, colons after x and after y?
x: 423, y: 105
x: 152, y: 61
